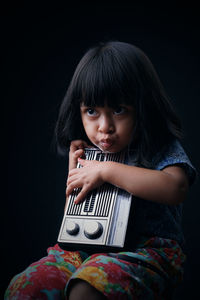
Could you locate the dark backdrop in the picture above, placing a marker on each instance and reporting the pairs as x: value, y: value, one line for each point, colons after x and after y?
x: 42, y: 47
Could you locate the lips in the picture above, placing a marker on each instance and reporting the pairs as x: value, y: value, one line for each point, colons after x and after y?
x: 106, y: 143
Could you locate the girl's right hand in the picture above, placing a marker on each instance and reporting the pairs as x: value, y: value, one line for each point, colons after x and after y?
x: 76, y: 150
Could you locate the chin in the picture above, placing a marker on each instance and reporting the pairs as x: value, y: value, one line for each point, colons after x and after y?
x: 112, y: 149
x: 109, y: 150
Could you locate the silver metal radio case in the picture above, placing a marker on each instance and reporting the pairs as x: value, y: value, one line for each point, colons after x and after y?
x: 102, y: 218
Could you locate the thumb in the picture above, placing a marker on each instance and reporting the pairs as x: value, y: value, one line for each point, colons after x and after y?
x: 82, y: 162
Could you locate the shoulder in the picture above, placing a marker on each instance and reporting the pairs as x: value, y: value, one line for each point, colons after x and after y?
x: 174, y: 155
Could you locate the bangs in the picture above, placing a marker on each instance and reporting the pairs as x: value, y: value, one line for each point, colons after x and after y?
x: 104, y: 78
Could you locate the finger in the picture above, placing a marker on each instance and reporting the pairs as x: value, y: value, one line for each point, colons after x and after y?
x: 71, y: 178
x: 78, y: 153
x: 82, y: 194
x: 78, y: 144
x: 69, y: 190
x: 82, y: 162
x: 73, y: 157
x: 71, y: 174
x: 85, y: 162
x: 74, y: 172
x: 72, y: 186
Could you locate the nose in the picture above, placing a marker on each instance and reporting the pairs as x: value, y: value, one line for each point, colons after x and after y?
x: 106, y: 124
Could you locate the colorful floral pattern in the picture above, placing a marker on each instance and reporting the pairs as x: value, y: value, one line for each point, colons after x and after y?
x: 116, y: 278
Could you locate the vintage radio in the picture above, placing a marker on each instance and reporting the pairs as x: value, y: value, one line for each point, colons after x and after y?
x: 101, y: 219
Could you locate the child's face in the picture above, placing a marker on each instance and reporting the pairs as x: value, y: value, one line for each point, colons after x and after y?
x: 109, y: 129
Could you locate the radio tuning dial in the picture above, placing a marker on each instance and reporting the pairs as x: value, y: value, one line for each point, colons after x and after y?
x: 93, y: 229
x: 72, y: 228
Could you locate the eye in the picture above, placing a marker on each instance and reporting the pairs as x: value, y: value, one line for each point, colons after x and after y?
x: 119, y: 110
x: 91, y: 112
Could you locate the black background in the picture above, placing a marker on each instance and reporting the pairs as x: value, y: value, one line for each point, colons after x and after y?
x: 42, y: 46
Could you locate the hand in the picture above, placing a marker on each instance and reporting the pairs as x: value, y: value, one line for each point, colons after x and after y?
x: 76, y: 151
x: 87, y: 178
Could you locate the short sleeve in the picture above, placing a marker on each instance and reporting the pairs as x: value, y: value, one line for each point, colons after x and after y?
x: 175, y: 154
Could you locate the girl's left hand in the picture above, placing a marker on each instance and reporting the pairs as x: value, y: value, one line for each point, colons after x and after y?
x: 87, y: 178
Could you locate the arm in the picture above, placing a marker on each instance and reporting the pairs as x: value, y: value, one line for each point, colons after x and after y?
x: 168, y: 186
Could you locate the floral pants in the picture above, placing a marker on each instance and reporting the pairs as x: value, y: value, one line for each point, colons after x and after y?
x: 152, y: 271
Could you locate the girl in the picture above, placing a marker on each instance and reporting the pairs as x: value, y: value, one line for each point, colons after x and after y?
x: 116, y: 102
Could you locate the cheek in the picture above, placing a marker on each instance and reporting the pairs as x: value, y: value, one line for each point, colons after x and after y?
x: 85, y: 125
x: 127, y: 127
x: 128, y: 131
x: 89, y: 129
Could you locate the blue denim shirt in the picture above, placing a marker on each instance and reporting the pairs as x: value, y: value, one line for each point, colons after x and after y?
x: 151, y: 219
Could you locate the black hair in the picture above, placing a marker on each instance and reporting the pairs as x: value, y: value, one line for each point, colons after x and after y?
x: 119, y: 73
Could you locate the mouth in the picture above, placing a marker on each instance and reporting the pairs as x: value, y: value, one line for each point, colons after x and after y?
x: 106, y: 144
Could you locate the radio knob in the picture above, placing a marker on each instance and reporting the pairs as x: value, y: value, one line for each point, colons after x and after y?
x: 93, y: 230
x: 72, y: 228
